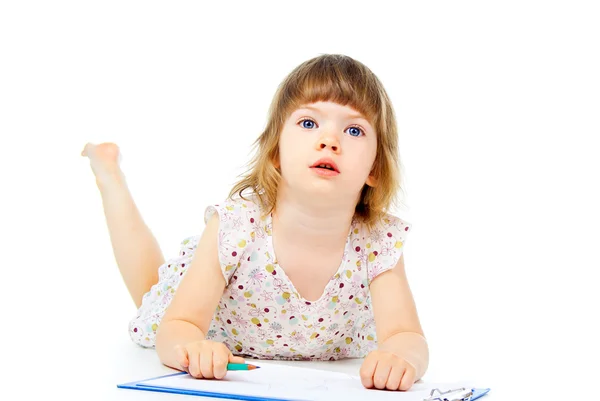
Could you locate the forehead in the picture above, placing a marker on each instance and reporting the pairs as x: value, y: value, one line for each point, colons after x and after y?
x: 332, y: 108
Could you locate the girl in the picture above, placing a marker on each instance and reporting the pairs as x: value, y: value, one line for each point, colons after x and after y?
x: 307, y: 265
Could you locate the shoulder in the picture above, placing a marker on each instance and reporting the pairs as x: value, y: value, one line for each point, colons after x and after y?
x: 238, y: 214
x: 394, y: 226
x: 231, y: 209
x: 241, y: 223
x: 383, y: 244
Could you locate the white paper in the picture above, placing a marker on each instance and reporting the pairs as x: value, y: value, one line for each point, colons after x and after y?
x: 291, y: 383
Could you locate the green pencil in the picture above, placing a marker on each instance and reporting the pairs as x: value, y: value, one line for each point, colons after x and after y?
x: 241, y: 366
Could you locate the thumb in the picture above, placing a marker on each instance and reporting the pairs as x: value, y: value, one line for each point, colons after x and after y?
x: 235, y: 359
x: 182, y: 357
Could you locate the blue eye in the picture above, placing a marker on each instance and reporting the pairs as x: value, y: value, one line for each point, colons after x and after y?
x: 355, y: 131
x: 307, y: 121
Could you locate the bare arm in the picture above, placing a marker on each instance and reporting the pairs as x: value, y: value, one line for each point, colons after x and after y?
x: 192, y: 308
x: 397, y: 323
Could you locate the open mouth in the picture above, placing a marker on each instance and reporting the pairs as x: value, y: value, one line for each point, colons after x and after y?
x: 325, y: 166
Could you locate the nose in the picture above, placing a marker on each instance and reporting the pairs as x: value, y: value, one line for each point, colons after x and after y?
x: 329, y: 141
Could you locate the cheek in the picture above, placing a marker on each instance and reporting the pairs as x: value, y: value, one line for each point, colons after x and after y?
x: 289, y: 150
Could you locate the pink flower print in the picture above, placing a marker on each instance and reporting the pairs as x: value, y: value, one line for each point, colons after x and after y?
x: 279, y: 284
x: 239, y: 321
x: 257, y: 276
x: 344, y: 353
x: 399, y: 224
x: 376, y: 235
x: 375, y: 270
x: 386, y: 248
x: 298, y: 337
x: 331, y: 291
x: 267, y: 295
x: 319, y: 341
x: 225, y: 244
x: 226, y: 215
x: 355, y: 287
x: 244, y: 255
x: 255, y: 311
x: 237, y: 223
x: 370, y: 322
x: 359, y: 251
x: 294, y: 308
x: 262, y: 334
x: 234, y: 292
x: 257, y: 227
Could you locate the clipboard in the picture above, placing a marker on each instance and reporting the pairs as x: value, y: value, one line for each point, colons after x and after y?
x: 154, y: 384
x: 138, y: 385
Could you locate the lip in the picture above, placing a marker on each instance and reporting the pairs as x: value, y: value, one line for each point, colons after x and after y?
x: 326, y: 160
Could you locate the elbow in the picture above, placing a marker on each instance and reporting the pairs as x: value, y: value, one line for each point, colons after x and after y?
x: 421, y: 358
x: 161, y: 343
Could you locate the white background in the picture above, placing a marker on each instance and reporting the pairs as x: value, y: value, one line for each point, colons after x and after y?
x: 498, y: 110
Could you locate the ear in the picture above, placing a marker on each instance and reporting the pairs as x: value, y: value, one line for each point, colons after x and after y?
x: 371, y: 181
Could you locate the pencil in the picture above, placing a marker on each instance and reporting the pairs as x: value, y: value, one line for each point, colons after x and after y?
x: 241, y: 366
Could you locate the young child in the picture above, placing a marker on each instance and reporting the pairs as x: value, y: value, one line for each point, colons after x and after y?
x: 306, y: 265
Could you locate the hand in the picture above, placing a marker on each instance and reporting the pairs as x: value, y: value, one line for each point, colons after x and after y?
x: 385, y: 370
x: 205, y: 359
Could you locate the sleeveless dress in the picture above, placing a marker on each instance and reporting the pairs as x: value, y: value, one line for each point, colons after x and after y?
x: 261, y: 315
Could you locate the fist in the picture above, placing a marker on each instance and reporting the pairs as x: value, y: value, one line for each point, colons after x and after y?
x: 205, y: 359
x: 385, y: 370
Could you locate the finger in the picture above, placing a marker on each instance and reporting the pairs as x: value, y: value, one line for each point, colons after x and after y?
x: 206, y: 364
x: 409, y: 378
x: 382, y: 372
x: 194, y: 359
x: 236, y: 359
x: 182, y: 357
x: 395, y: 377
x: 87, y: 146
x: 367, y: 369
x: 220, y: 359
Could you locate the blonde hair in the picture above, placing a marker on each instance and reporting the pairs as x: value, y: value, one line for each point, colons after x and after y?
x: 343, y: 80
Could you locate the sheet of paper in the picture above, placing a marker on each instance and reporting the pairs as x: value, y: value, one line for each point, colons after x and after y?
x: 290, y: 383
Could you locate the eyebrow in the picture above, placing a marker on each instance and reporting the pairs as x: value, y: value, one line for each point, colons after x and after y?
x: 349, y: 115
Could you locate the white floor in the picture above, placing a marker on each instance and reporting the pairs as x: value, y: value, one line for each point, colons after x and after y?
x: 130, y: 363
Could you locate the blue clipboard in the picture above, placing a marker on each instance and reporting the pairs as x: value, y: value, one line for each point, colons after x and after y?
x: 139, y: 385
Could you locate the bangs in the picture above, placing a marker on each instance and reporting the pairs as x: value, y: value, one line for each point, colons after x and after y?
x: 340, y: 80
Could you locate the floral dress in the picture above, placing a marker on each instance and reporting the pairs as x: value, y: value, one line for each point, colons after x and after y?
x: 261, y: 315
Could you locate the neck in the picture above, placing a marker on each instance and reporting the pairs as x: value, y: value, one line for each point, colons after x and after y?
x: 312, y: 221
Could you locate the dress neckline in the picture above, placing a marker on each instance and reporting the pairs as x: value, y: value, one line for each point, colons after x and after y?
x: 282, y: 273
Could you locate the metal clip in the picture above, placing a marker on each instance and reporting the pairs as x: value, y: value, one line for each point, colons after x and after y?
x: 460, y: 394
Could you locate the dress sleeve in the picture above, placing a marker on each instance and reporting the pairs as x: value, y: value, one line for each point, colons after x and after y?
x: 386, y: 245
x: 233, y: 241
